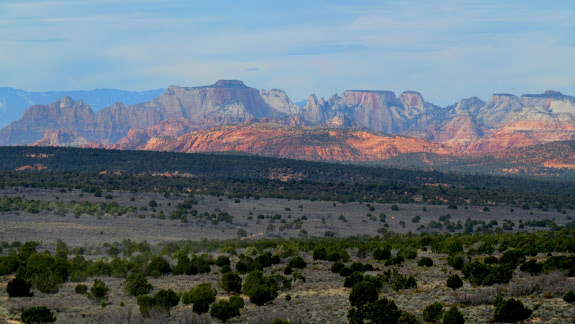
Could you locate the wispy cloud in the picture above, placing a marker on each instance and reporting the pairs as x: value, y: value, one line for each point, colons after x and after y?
x: 47, y: 40
x: 321, y: 49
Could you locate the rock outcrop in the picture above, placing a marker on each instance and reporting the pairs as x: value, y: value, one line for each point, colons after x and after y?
x: 277, y: 140
x: 61, y: 138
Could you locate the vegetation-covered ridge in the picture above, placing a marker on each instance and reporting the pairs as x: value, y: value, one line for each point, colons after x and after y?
x: 244, y: 176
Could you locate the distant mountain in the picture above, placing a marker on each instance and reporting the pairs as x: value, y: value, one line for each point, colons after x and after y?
x: 189, y: 119
x: 13, y: 102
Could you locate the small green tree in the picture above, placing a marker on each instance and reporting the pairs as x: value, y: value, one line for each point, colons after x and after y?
x: 48, y: 282
x: 362, y: 293
x: 41, y: 314
x: 241, y: 232
x: 381, y: 311
x: 19, y: 287
x: 382, y: 254
x: 297, y: 262
x: 99, y: 291
x: 201, y: 297
x: 425, y: 262
x: 136, y: 284
x: 407, y: 318
x: 165, y: 299
x: 453, y: 316
x: 226, y: 309
x: 433, y: 312
x: 260, y: 288
x: 569, y: 296
x: 81, y: 289
x: 231, y: 281
x: 158, y: 264
x: 146, y: 303
x: 454, y: 282
x: 223, y: 260
x: 511, y: 311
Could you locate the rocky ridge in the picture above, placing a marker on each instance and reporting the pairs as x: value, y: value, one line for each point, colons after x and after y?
x: 470, y: 126
x: 277, y: 140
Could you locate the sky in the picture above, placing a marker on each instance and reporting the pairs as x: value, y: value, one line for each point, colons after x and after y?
x: 447, y: 50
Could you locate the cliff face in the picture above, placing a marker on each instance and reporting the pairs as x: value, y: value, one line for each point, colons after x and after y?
x: 61, y: 138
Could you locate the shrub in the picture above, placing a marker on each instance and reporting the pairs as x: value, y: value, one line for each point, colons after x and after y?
x: 381, y: 254
x: 381, y: 311
x: 81, y: 289
x: 408, y: 253
x: 453, y: 316
x: 353, y: 279
x: 362, y: 293
x: 511, y: 311
x: 222, y: 260
x: 201, y: 296
x: 146, y: 303
x: 512, y: 256
x: 433, y: 312
x: 456, y: 261
x: 19, y: 287
x: 136, y: 284
x: 260, y: 295
x: 335, y: 267
x: 99, y: 291
x: 569, y: 296
x: 231, y: 281
x: 394, y: 208
x: 454, y: 282
x: 476, y: 272
x: 226, y: 269
x: 532, y: 266
x: 425, y: 262
x: 158, y: 264
x: 165, y: 299
x: 297, y: 262
x: 401, y: 282
x: 48, y: 282
x: 320, y: 253
x: 260, y: 288
x: 407, y: 318
x: 40, y: 314
x: 491, y: 260
x: 226, y: 309
x: 242, y: 232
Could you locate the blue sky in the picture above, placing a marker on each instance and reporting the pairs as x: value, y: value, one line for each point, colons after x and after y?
x: 447, y: 50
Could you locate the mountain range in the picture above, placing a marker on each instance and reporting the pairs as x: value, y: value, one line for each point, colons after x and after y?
x: 13, y: 102
x: 358, y: 125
